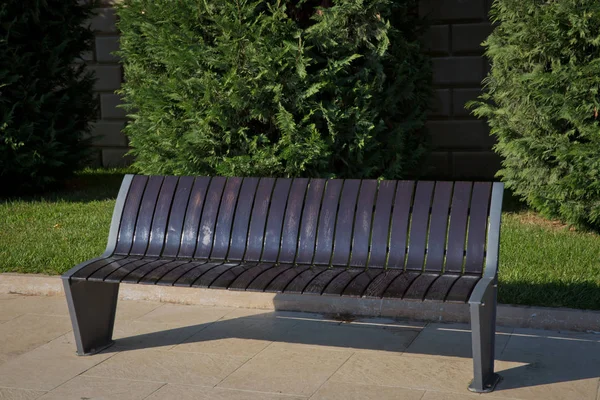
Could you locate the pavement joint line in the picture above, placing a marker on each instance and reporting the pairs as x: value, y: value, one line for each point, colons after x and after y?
x: 160, y: 387
x: 334, y: 372
x: 507, y: 341
x: 598, y: 395
x: 244, y: 363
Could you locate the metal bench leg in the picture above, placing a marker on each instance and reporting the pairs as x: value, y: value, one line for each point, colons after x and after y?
x: 92, y: 306
x: 483, y: 327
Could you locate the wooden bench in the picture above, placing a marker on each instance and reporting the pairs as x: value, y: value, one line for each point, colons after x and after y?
x: 423, y: 241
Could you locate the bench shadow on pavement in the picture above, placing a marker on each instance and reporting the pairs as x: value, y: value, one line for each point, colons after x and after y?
x: 546, y: 357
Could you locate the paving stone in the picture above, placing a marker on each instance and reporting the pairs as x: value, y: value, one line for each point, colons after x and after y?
x: 28, y: 331
x: 185, y: 315
x: 51, y: 365
x: 350, y: 391
x: 109, y: 133
x: 450, y: 10
x: 460, y: 97
x: 40, y: 305
x: 104, y: 20
x: 169, y: 367
x: 460, y: 135
x: 108, y: 106
x: 105, y: 47
x: 19, y: 394
x: 115, y: 158
x: 130, y: 310
x: 287, y: 368
x: 84, y: 387
x: 468, y: 37
x: 467, y: 70
x: 440, y: 103
x: 436, y: 39
x: 108, y: 77
x: 184, y: 392
x: 475, y: 164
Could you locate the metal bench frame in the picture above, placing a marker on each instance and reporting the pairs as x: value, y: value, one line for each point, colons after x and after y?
x: 92, y: 302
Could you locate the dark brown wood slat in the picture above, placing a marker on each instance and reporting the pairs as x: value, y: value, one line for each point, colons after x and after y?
x: 381, y: 224
x: 399, y: 228
x: 141, y: 236
x: 279, y: 284
x: 419, y: 287
x: 172, y: 275
x: 336, y: 287
x: 462, y: 288
x: 326, y: 229
x: 101, y: 268
x: 161, y: 216
x: 239, y: 232
x: 458, y: 227
x: 229, y: 275
x: 193, y: 274
x: 206, y: 279
x: 301, y: 281
x: 378, y: 286
x: 256, y: 233
x: 291, y: 222
x: 245, y: 279
x: 320, y: 282
x: 345, y: 220
x: 130, y: 214
x: 89, y: 269
x: 192, y: 217
x: 362, y: 223
x: 418, y: 226
x: 124, y: 270
x: 177, y: 216
x: 275, y: 220
x: 137, y: 274
x: 438, y: 227
x: 478, y: 215
x: 260, y: 283
x: 225, y: 218
x: 439, y: 289
x: 357, y: 287
x: 399, y: 286
x: 156, y: 274
x: 206, y: 232
x: 310, y: 219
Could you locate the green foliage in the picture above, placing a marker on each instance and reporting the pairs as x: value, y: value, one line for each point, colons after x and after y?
x: 274, y: 88
x: 46, y: 99
x: 542, y: 104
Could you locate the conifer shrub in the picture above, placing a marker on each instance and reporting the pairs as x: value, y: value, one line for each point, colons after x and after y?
x: 542, y: 101
x: 274, y: 87
x: 46, y: 98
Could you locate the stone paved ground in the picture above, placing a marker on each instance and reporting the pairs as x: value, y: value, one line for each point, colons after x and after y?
x: 166, y: 351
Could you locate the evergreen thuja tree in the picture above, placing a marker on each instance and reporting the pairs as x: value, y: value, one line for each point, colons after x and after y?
x: 46, y: 98
x: 274, y: 88
x: 542, y: 101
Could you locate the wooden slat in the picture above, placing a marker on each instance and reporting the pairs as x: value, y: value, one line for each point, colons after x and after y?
x: 260, y: 283
x: 399, y: 228
x: 161, y: 217
x: 319, y: 283
x: 99, y: 269
x: 245, y: 279
x: 362, y: 223
x: 275, y: 220
x: 438, y: 227
x: 336, y: 287
x: 458, y: 227
x: 480, y: 202
x: 206, y: 233
x: 326, y: 229
x: 439, y: 289
x: 400, y: 285
x: 170, y: 277
x: 177, y: 216
x: 192, y: 217
x: 225, y: 218
x: 206, y: 279
x: 256, y: 232
x: 282, y: 281
x: 156, y: 274
x: 310, y: 219
x: 123, y: 271
x: 291, y: 223
x: 229, y: 275
x: 419, y: 287
x: 92, y: 267
x: 239, y: 232
x: 418, y: 226
x: 359, y: 285
x: 141, y: 236
x: 381, y: 224
x: 345, y: 220
x: 302, y: 280
x: 379, y: 285
x: 136, y: 275
x: 130, y: 214
x: 462, y: 288
x: 193, y: 274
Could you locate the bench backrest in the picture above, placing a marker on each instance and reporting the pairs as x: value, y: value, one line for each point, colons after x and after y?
x: 424, y: 225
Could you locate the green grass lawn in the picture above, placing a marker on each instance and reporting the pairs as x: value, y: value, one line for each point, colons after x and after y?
x: 542, y: 262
